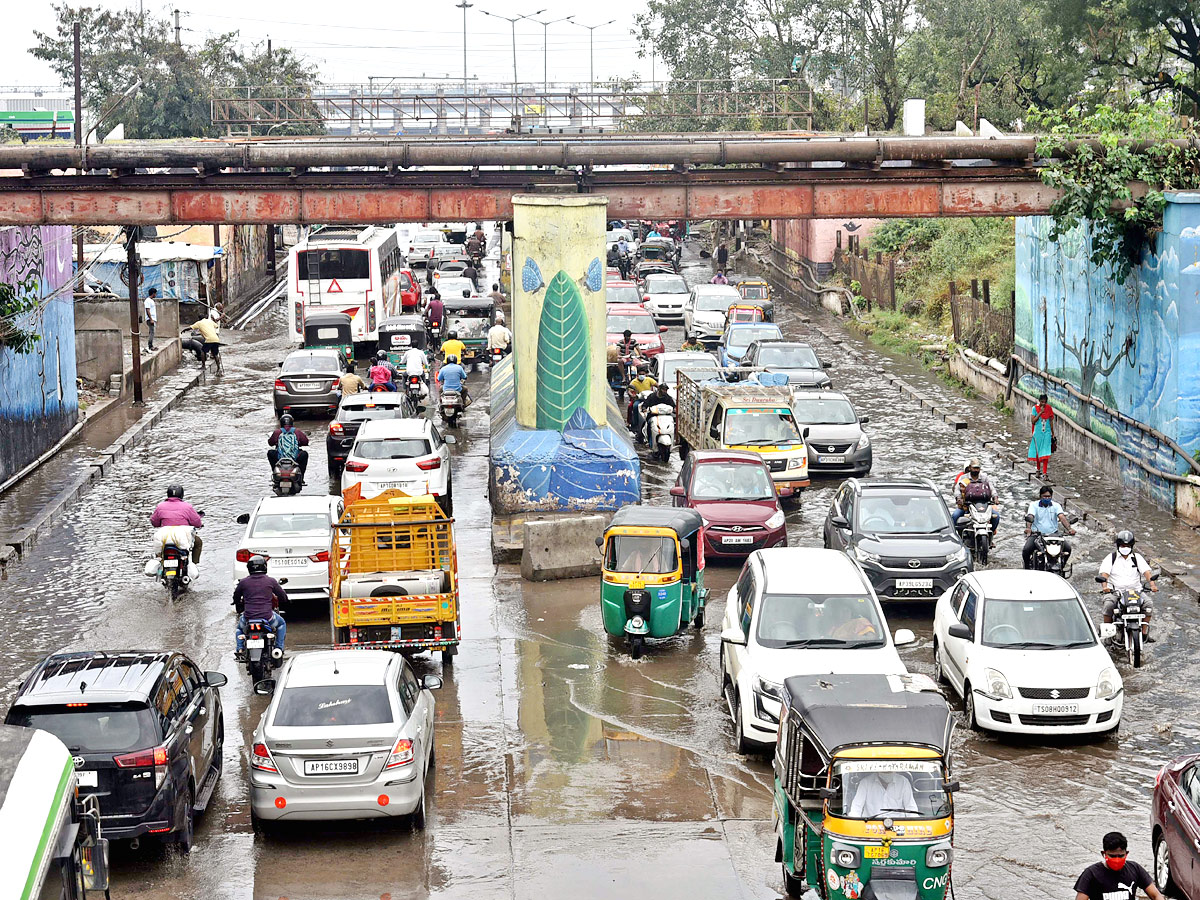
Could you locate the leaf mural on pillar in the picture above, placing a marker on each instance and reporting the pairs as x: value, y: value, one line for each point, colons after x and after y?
x: 563, y: 354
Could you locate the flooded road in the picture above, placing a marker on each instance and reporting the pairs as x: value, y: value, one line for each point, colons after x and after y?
x: 563, y: 766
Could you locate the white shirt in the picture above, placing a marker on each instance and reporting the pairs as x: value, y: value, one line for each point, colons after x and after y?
x: 415, y: 361
x: 1125, y: 573
x: 499, y: 337
x: 882, y: 794
x: 151, y: 310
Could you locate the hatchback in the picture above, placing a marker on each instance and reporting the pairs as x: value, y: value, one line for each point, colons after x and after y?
x: 146, y: 731
x: 308, y: 382
x: 837, y: 444
x: 348, y: 734
x: 1175, y: 827
x: 623, y: 292
x: 295, y: 534
x: 664, y: 295
x: 402, y: 454
x: 733, y: 492
x: 638, y: 321
x: 1020, y: 649
x: 352, y: 412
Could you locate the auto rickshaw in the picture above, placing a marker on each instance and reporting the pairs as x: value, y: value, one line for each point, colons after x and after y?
x: 658, y: 252
x: 399, y: 334
x: 652, y: 574
x: 863, y: 797
x: 470, y: 318
x: 744, y: 312
x: 757, y: 292
x: 329, y: 329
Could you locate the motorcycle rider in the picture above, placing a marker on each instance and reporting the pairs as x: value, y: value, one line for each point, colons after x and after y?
x: 351, y: 382
x: 452, y: 346
x: 623, y: 257
x: 209, y: 329
x: 628, y: 347
x: 1124, y: 570
x: 495, y: 294
x: 174, y: 512
x: 660, y: 396
x: 499, y: 337
x: 691, y: 344
x: 288, y: 442
x: 453, y: 377
x: 1047, y: 516
x: 643, y: 381
x: 972, y: 487
x: 434, y: 310
x: 415, y: 363
x: 469, y: 271
x: 257, y: 598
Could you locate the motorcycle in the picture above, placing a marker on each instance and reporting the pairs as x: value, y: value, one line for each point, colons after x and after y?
x: 173, y: 566
x: 1050, y: 553
x: 261, y: 652
x: 975, y: 526
x: 416, y: 390
x: 1125, y: 630
x: 435, y: 332
x: 286, y: 478
x: 496, y: 354
x: 662, y: 430
x: 452, y: 407
x: 621, y: 375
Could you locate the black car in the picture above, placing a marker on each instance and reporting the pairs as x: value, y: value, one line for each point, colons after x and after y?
x: 352, y: 412
x: 899, y: 531
x: 146, y: 731
x: 797, y: 360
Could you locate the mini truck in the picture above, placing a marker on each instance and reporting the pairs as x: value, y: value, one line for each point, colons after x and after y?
x: 716, y: 415
x: 394, y: 582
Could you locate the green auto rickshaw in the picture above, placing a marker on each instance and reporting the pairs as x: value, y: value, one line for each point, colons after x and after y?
x: 330, y: 329
x: 863, y: 797
x: 652, y: 573
x: 470, y: 318
x: 399, y: 334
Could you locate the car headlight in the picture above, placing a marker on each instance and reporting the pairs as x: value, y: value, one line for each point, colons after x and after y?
x: 997, y: 684
x: 938, y: 856
x: 864, y: 556
x: 1108, y: 684
x: 777, y: 519
x: 768, y: 688
x: 798, y: 462
x: 846, y: 856
x: 962, y: 554
x: 863, y: 442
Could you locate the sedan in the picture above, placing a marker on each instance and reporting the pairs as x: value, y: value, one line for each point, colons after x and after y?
x: 352, y: 412
x: 348, y: 734
x: 733, y: 492
x: 796, y: 360
x: 837, y: 444
x: 1019, y: 648
x: 401, y: 454
x: 308, y: 382
x: 640, y: 323
x: 664, y: 295
x: 1175, y: 821
x: 295, y: 534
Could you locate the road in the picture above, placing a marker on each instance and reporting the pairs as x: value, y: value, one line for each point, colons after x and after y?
x: 564, y: 767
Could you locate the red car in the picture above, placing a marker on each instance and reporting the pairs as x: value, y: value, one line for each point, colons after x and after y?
x: 410, y: 291
x: 626, y: 316
x: 1175, y: 834
x: 733, y: 492
x: 622, y: 293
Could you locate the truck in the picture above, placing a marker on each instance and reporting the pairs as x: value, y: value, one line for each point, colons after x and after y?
x: 717, y: 415
x: 394, y: 578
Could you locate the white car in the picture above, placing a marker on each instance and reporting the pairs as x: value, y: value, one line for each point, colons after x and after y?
x: 404, y: 454
x: 422, y: 245
x: 452, y: 288
x: 706, y: 308
x: 699, y: 366
x: 613, y: 237
x: 295, y: 534
x: 798, y: 611
x: 1021, y: 650
x: 664, y: 295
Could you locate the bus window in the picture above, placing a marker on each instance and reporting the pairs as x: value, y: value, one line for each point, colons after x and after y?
x: 339, y: 263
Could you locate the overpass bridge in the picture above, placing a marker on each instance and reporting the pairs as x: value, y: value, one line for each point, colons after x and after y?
x: 387, y: 180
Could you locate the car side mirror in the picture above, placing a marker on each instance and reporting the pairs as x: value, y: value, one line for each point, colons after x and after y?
x: 733, y: 636
x: 826, y: 364
x: 961, y: 631
x: 676, y: 490
x: 244, y: 519
x: 865, y: 420
x: 904, y: 637
x: 449, y: 439
x: 662, y: 329
x: 265, y: 688
x: 804, y: 433
x: 600, y: 541
x: 839, y: 522
x: 215, y: 679
x: 431, y: 682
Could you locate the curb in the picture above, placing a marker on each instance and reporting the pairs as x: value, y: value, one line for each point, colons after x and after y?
x: 19, y: 544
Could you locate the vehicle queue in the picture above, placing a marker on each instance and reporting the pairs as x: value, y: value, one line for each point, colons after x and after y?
x: 860, y: 797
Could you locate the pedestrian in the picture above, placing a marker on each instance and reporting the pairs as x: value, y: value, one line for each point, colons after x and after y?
x: 151, y: 314
x: 1115, y: 877
x: 722, y: 257
x: 1043, y: 442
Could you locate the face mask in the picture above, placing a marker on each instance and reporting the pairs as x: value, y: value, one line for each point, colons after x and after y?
x: 974, y: 474
x: 1115, y: 864
x: 1125, y: 551
x: 1046, y: 501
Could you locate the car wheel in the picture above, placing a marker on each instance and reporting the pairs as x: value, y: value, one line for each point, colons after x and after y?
x: 1162, y: 867
x: 186, y: 832
x: 938, y: 674
x: 739, y: 735
x: 969, y: 707
x: 417, y: 819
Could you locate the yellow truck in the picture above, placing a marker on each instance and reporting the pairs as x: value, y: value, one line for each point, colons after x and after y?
x: 717, y: 415
x: 394, y: 582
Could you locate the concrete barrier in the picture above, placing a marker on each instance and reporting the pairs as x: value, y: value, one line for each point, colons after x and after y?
x: 562, y: 547
x: 98, y: 354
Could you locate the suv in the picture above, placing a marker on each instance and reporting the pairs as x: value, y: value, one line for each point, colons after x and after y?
x: 365, y: 406
x: 792, y: 358
x: 410, y: 455
x: 899, y: 531
x: 146, y: 731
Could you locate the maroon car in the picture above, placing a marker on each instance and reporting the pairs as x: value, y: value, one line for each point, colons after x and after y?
x: 1175, y: 818
x: 733, y: 492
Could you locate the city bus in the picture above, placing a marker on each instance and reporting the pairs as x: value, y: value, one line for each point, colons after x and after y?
x: 353, y: 270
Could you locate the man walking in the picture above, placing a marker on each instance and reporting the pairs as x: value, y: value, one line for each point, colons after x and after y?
x: 722, y: 258
x: 1116, y: 877
x: 151, y: 314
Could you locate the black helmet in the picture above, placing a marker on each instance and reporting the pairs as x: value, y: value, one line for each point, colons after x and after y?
x: 286, y: 421
x: 176, y: 491
x: 453, y: 336
x: 257, y: 565
x: 1124, y: 538
x: 451, y: 360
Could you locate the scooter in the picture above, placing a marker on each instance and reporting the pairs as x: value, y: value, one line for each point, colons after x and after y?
x: 452, y: 407
x: 662, y: 430
x: 286, y: 478
x: 975, y: 526
x: 261, y: 652
x: 1125, y: 630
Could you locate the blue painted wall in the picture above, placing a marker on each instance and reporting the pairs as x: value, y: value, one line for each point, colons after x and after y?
x: 39, y: 402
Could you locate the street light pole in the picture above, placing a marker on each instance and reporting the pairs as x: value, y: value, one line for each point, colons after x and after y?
x: 464, y: 6
x: 513, y: 20
x: 592, y: 57
x: 546, y: 51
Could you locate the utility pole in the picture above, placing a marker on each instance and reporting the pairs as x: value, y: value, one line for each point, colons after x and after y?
x: 132, y: 233
x: 513, y: 20
x: 592, y: 60
x: 464, y: 6
x: 78, y: 137
x: 177, y: 40
x: 269, y: 60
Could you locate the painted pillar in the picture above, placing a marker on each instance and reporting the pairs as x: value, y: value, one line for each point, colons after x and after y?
x: 558, y: 309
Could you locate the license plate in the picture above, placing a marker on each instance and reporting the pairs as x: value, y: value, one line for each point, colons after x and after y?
x: 737, y: 539
x: 406, y: 486
x: 86, y: 779
x: 288, y: 560
x: 331, y: 767
x: 914, y: 583
x: 875, y: 852
x: 831, y: 460
x: 255, y: 642
x: 1056, y: 709
x: 307, y: 387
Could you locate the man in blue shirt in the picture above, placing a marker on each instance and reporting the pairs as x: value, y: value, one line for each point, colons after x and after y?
x: 453, y: 377
x: 1047, y: 516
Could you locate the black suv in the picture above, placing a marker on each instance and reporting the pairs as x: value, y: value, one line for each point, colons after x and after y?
x: 356, y: 409
x: 146, y: 731
x: 796, y: 360
x: 899, y: 531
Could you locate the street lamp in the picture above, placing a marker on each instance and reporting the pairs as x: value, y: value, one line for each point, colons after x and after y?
x: 513, y: 20
x: 545, y: 46
x: 591, y: 50
x: 464, y: 6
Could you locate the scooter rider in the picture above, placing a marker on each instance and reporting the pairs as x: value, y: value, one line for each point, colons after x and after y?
x: 499, y: 337
x: 1047, y: 516
x: 623, y: 256
x: 971, y: 488
x: 415, y: 363
x: 175, y: 511
x: 453, y: 377
x: 644, y: 381
x: 1124, y: 570
x: 288, y: 442
x: 257, y: 598
x: 661, y: 396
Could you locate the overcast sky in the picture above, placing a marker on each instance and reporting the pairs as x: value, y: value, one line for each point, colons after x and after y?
x: 379, y: 37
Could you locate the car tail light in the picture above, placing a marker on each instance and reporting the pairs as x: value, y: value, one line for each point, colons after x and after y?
x: 155, y: 757
x: 279, y: 385
x: 428, y: 465
x: 333, y: 384
x: 243, y: 556
x: 354, y: 466
x: 402, y: 754
x: 260, y: 758
x: 336, y: 428
x: 320, y: 556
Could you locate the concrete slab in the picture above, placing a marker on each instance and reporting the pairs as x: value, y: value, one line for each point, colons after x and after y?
x: 562, y: 547
x: 1190, y: 583
x: 958, y: 424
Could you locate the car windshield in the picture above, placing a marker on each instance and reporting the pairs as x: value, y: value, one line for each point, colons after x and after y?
x: 788, y: 357
x: 365, y: 412
x: 819, y: 620
x: 732, y: 481
x: 330, y: 705
x: 282, y: 524
x: 747, y: 427
x: 889, y: 789
x: 618, y: 233
x: 817, y: 411
x: 665, y: 284
x: 902, y: 514
x: 391, y: 448
x: 93, y: 727
x: 429, y: 237
x: 621, y: 294
x: 699, y: 366
x: 310, y: 362
x: 452, y: 288
x: 753, y: 291
x: 1027, y: 624
x: 636, y: 324
x: 741, y: 336
x: 644, y: 554
x: 713, y: 302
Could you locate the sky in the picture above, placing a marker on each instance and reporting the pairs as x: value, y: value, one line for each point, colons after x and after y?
x: 411, y: 38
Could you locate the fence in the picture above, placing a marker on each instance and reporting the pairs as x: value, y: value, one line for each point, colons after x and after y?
x: 978, y: 324
x: 876, y: 278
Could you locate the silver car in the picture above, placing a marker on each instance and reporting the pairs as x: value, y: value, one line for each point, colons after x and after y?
x: 308, y: 382
x: 348, y: 735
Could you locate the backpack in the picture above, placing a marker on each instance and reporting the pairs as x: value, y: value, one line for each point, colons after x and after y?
x: 288, y: 445
x: 976, y: 491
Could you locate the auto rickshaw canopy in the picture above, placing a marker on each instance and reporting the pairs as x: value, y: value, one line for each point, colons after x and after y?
x: 316, y: 323
x: 684, y: 522
x: 392, y: 333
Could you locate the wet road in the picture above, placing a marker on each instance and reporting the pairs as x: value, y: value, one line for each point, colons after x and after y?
x: 563, y: 765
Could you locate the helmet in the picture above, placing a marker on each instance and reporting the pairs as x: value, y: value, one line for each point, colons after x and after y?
x: 451, y: 360
x: 176, y: 491
x: 1124, y: 538
x: 257, y: 565
x: 453, y: 336
x: 286, y: 421
x: 381, y: 356
x: 466, y: 293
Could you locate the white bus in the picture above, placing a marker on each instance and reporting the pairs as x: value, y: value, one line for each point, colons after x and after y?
x: 349, y: 269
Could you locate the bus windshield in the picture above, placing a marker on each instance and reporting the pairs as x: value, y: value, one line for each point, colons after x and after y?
x: 886, y: 788
x: 340, y: 263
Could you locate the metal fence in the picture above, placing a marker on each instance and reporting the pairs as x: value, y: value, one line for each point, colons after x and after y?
x: 980, y: 325
x: 876, y: 277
